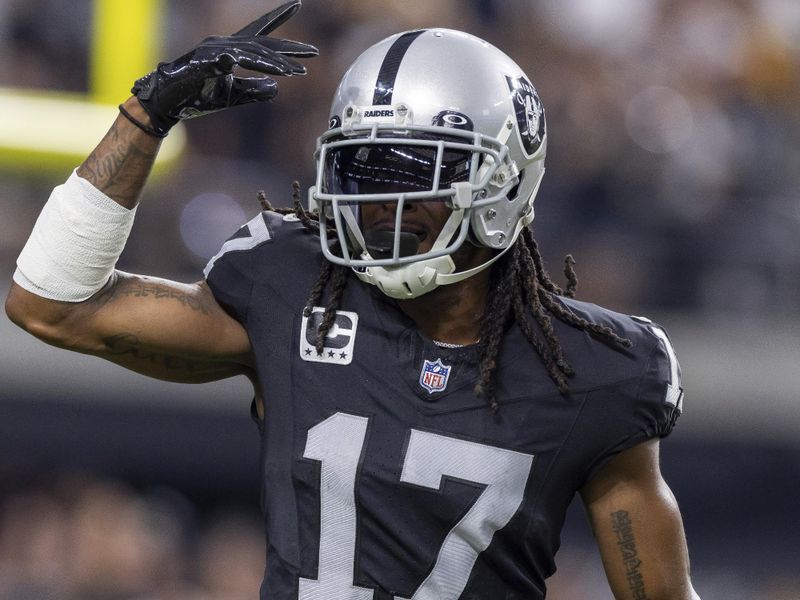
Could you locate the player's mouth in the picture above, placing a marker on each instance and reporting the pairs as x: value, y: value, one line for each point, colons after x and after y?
x: 380, y: 239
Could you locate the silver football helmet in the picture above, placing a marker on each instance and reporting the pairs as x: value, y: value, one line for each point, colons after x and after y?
x: 428, y: 115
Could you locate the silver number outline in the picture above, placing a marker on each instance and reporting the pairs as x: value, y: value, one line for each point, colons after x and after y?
x: 259, y: 232
x: 338, y: 443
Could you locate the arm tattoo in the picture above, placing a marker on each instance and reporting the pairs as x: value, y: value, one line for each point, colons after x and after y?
x: 142, y: 288
x: 127, y: 344
x: 120, y: 164
x: 160, y: 292
x: 623, y: 527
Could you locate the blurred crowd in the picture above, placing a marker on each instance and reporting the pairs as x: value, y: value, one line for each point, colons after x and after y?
x: 84, y: 538
x: 673, y: 159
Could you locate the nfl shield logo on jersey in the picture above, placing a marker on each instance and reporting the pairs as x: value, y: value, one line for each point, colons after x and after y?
x: 434, y: 375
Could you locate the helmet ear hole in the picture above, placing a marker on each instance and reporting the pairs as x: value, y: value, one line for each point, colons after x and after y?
x: 512, y: 193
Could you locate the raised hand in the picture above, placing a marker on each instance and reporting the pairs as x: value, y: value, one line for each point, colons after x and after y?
x: 202, y: 81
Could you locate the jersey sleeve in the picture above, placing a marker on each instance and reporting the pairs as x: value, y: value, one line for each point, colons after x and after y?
x: 661, y: 387
x: 230, y: 273
x: 622, y: 416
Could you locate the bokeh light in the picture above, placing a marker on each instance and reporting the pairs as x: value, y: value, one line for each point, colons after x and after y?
x: 207, y: 220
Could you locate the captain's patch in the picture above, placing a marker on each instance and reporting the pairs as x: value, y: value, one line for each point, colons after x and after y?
x: 339, y: 343
x: 434, y: 375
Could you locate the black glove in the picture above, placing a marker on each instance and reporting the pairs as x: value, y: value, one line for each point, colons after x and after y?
x: 202, y: 81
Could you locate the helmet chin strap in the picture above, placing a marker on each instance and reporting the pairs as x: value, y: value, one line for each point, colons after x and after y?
x: 415, y: 279
x: 408, y: 281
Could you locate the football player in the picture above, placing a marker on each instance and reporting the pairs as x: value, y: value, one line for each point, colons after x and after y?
x: 429, y: 400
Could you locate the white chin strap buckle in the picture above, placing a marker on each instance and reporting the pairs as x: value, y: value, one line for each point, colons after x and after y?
x: 408, y: 281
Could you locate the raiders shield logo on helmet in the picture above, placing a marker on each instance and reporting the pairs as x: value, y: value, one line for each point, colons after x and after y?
x: 529, y: 112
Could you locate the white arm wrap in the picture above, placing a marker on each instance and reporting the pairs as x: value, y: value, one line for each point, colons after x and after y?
x: 75, y: 243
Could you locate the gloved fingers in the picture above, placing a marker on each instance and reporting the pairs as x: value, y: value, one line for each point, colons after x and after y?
x: 270, y: 64
x: 202, y: 80
x: 270, y: 21
x: 251, y: 56
x: 284, y: 47
x: 292, y: 67
x: 288, y: 47
x: 252, y: 89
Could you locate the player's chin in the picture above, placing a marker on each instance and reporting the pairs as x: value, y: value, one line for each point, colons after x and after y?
x: 425, y: 246
x: 469, y: 255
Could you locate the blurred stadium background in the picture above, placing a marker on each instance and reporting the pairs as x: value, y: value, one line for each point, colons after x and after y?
x: 673, y: 172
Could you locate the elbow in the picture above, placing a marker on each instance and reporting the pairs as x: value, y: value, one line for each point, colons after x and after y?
x: 15, y: 308
x: 43, y: 319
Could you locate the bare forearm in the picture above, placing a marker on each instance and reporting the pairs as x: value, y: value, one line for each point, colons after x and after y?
x: 121, y: 162
x: 638, y: 527
x: 639, y: 571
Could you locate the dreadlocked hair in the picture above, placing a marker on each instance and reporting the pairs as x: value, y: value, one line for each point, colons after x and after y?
x: 521, y: 292
x: 335, y: 275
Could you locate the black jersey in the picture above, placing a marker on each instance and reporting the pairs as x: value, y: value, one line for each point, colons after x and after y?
x: 384, y: 476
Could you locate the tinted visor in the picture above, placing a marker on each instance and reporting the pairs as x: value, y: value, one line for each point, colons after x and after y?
x: 390, y: 168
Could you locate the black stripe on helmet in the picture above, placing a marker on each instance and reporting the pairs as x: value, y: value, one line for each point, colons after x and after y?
x: 384, y: 87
